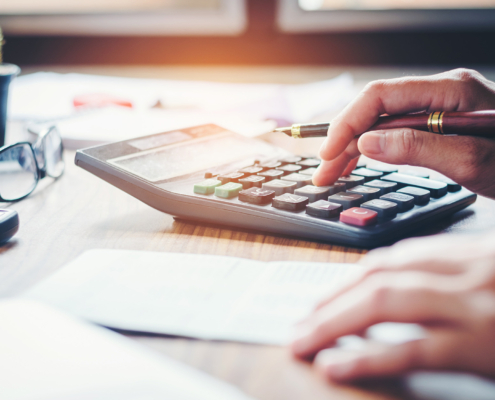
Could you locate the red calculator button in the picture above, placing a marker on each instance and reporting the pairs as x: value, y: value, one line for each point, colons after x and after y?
x: 358, y: 216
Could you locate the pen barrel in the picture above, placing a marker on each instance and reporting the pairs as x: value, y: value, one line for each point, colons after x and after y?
x: 313, y: 130
x: 476, y: 123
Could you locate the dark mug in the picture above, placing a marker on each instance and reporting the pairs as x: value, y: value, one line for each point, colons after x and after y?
x: 7, y: 73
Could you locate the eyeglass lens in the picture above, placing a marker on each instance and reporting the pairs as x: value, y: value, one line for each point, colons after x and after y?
x: 54, y: 162
x: 18, y: 172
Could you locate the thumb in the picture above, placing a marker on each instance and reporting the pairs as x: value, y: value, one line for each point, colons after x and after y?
x: 462, y: 158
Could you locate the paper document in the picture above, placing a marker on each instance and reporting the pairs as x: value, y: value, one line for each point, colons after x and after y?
x: 159, y: 105
x: 45, y: 354
x: 201, y: 296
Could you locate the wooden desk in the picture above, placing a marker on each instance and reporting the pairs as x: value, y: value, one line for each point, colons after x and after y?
x: 62, y: 219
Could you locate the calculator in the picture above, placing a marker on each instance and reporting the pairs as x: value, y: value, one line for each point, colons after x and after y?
x: 210, y: 174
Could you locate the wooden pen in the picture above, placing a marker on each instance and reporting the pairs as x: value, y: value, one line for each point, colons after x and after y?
x: 472, y: 123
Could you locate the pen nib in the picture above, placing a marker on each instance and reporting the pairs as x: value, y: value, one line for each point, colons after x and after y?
x: 287, y: 131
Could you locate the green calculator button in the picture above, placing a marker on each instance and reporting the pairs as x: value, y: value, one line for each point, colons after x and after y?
x: 228, y: 190
x: 206, y: 187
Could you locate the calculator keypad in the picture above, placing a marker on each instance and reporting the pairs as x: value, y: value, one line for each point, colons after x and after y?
x: 371, y: 194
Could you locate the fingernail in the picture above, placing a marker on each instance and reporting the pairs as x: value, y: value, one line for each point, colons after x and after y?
x: 335, y: 364
x: 372, y: 143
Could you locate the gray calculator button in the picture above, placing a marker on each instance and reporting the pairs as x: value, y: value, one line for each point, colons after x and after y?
x: 280, y: 187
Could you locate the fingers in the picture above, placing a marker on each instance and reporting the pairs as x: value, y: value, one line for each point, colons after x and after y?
x: 436, y: 351
x: 456, y: 90
x: 405, y: 297
x: 466, y: 160
x: 329, y: 171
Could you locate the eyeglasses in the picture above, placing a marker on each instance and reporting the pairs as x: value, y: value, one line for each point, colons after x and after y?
x: 23, y: 165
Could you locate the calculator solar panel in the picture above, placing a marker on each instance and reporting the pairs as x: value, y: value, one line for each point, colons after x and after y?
x: 210, y: 174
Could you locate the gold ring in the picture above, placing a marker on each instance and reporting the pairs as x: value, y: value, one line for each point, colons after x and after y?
x: 440, y: 122
x: 296, y: 131
x: 429, y: 123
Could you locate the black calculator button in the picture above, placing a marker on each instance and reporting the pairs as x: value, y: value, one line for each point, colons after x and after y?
x: 413, y: 172
x: 351, y: 180
x: 404, y: 201
x: 384, y: 208
x: 232, y: 177
x: 290, y: 160
x: 451, y: 185
x: 308, y: 171
x: 228, y: 190
x: 289, y: 168
x: 324, y: 209
x: 385, y: 187
x: 314, y: 193
x: 300, y: 179
x: 256, y: 195
x: 280, y: 187
x: 437, y: 189
x: 252, y: 181
x: 367, y: 174
x: 309, y: 163
x: 251, y: 170
x: 368, y: 193
x: 348, y: 200
x: 270, y: 165
x: 382, y: 167
x: 271, y: 174
x: 421, y: 196
x: 290, y: 202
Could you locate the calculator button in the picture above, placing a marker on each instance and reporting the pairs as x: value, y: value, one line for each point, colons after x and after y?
x: 289, y: 168
x: 421, y: 196
x: 336, y: 188
x: 252, y: 181
x: 209, y: 175
x: 358, y: 216
x: 300, y: 179
x: 385, y: 187
x: 251, y: 170
x: 232, y: 177
x: 228, y: 190
x: 436, y: 188
x: 309, y: 163
x: 256, y: 195
x: 384, y: 208
x: 206, y: 187
x: 348, y: 200
x: 290, y: 160
x: 324, y: 209
x: 314, y: 193
x: 404, y: 201
x: 308, y: 171
x: 271, y: 174
x: 413, y: 172
x: 368, y: 193
x: 351, y: 180
x: 451, y: 185
x: 367, y: 174
x: 361, y: 163
x: 280, y: 187
x: 382, y: 167
x: 290, y: 202
x: 271, y: 165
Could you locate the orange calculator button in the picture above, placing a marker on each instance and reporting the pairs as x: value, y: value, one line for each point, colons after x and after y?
x: 358, y: 216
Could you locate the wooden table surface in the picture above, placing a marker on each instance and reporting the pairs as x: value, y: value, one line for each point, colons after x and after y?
x: 78, y: 212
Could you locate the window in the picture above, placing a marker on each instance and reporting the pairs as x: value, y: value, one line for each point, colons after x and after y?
x: 123, y: 17
x: 379, y: 15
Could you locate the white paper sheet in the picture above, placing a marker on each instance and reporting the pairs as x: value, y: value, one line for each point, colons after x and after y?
x: 249, y: 109
x: 47, y: 355
x: 208, y: 297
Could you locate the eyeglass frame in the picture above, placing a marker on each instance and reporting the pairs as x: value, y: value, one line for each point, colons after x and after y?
x: 40, y: 172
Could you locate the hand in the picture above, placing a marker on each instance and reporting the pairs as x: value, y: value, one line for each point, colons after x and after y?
x: 469, y: 161
x: 444, y: 283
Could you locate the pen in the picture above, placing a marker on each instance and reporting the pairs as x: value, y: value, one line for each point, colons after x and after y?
x: 473, y: 123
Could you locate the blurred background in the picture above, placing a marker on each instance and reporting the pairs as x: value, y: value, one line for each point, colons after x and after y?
x: 249, y: 32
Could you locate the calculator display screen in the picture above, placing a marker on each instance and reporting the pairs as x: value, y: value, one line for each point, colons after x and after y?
x: 181, y: 159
